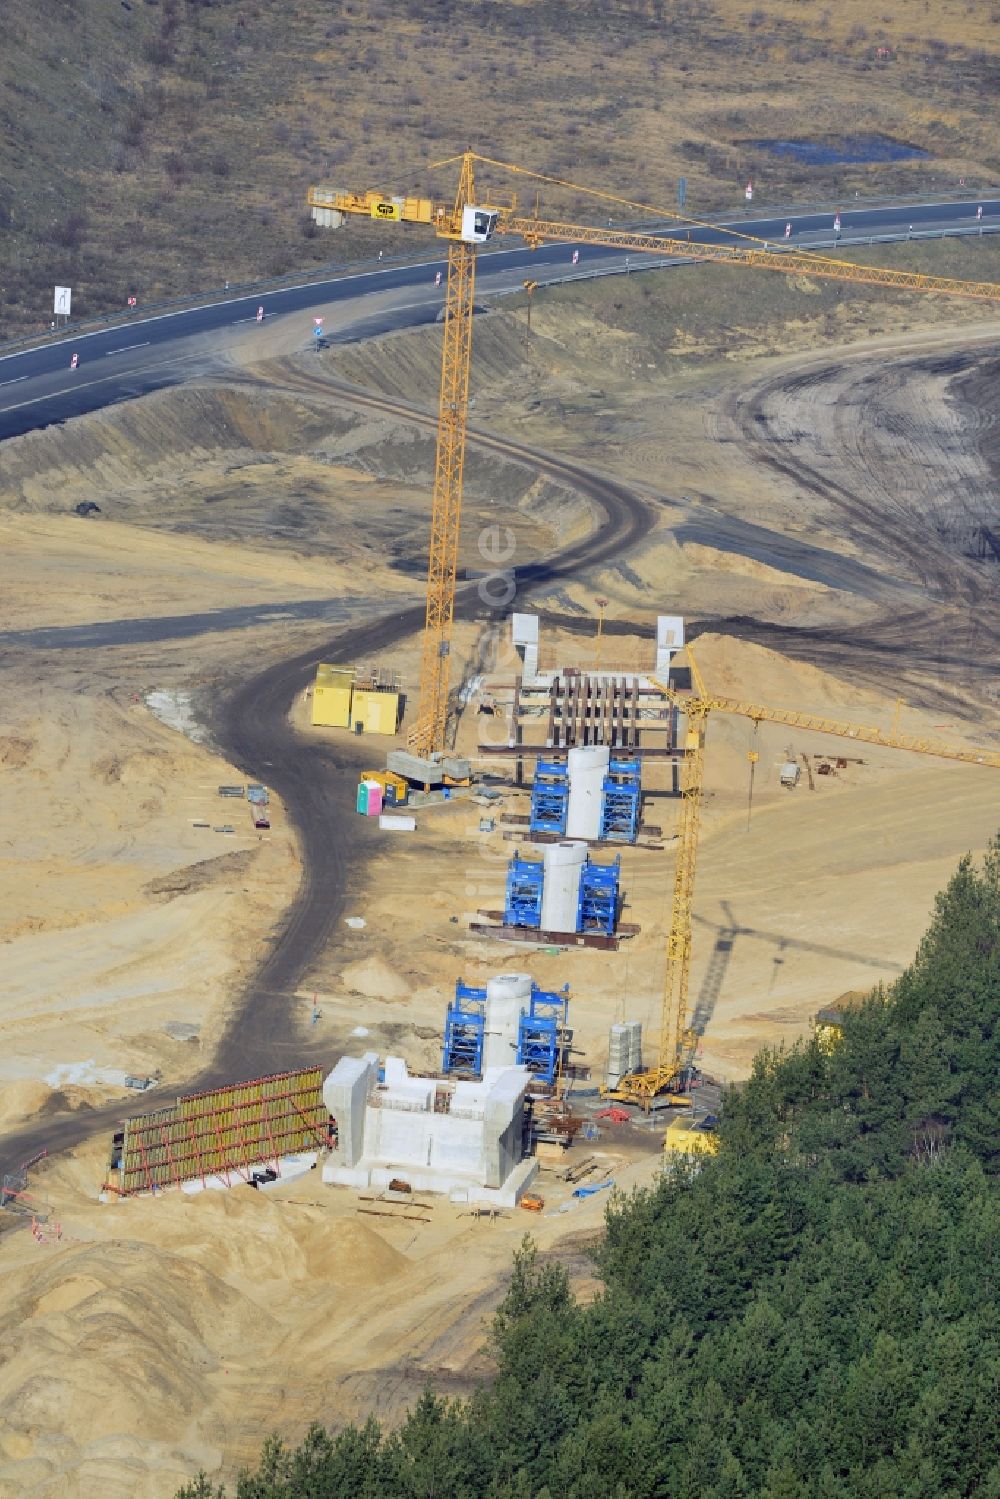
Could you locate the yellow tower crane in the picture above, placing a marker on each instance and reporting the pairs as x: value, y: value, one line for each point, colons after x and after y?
x: 677, y: 1042
x: 466, y: 225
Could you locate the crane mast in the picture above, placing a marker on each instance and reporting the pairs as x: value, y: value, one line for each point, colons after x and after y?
x: 429, y: 732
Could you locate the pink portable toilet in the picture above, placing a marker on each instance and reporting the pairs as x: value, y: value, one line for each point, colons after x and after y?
x: 374, y: 799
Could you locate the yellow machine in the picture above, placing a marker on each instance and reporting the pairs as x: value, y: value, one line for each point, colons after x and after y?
x: 466, y: 224
x: 395, y: 789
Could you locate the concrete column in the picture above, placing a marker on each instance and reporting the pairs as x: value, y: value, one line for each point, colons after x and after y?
x: 561, y: 885
x: 507, y: 994
x: 587, y: 765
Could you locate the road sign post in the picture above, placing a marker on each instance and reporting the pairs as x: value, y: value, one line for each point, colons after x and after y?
x: 62, y: 301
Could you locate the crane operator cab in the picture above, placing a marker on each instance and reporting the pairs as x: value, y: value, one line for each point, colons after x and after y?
x: 478, y: 224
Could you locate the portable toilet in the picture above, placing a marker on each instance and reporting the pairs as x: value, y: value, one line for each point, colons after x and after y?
x: 369, y: 800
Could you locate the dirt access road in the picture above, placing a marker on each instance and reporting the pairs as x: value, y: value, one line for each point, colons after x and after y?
x: 253, y: 731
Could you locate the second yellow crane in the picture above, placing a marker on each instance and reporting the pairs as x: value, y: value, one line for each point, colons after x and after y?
x: 677, y: 1043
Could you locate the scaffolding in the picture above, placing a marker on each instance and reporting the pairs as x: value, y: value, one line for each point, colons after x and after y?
x: 464, y: 1032
x: 549, y: 797
x: 597, y: 910
x: 542, y: 1037
x: 622, y: 799
x: 523, y: 897
x: 223, y: 1134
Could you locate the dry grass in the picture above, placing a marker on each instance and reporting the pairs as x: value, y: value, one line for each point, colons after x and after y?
x: 169, y: 146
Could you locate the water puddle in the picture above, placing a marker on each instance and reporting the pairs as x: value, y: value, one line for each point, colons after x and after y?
x: 851, y: 149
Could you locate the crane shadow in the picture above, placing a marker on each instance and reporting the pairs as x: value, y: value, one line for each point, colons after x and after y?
x: 726, y: 934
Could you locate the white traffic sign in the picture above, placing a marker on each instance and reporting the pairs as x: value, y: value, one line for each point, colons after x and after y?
x: 576, y: 257
x: 74, y: 361
x: 749, y: 192
x: 437, y: 278
x: 62, y: 301
x: 788, y: 231
x: 131, y: 301
x: 260, y: 314
x: 318, y: 321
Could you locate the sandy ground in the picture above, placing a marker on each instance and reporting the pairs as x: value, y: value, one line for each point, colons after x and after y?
x: 158, y: 1336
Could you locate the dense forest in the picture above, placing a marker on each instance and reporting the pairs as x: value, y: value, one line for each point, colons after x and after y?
x: 814, y: 1312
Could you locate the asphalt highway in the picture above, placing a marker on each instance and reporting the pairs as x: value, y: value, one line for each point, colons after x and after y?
x: 37, y: 386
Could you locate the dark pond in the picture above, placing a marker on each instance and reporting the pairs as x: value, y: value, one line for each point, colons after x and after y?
x: 850, y: 148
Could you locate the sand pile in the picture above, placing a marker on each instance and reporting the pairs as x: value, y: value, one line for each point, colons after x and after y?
x: 375, y: 979
x: 22, y: 1098
x: 128, y: 1358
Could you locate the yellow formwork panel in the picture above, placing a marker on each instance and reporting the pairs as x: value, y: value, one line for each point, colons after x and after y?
x: 377, y: 712
x: 226, y: 1131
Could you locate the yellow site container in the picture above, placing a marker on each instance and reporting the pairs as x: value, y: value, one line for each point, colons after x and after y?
x: 395, y: 789
x: 331, y: 705
x: 683, y: 1137
x: 377, y: 712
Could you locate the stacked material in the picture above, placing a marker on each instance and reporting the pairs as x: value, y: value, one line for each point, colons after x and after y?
x: 624, y: 1051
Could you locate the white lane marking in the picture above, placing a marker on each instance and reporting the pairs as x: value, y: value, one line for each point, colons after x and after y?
x: 739, y: 225
x: 125, y: 348
x: 14, y: 381
x: 104, y: 380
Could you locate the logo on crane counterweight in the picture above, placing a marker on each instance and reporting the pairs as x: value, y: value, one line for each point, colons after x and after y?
x: 385, y: 210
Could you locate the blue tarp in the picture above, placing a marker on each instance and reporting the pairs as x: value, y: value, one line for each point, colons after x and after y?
x: 589, y: 1191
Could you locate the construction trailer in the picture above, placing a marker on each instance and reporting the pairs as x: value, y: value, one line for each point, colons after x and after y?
x: 344, y: 698
x: 374, y: 710
x: 526, y: 1024
x: 331, y: 700
x: 691, y: 1137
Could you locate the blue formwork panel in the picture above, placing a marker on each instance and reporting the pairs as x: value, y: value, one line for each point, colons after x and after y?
x: 464, y: 1031
x: 620, y: 811
x: 597, y: 910
x: 549, y: 797
x: 523, y: 896
x: 622, y: 800
x: 539, y: 1032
